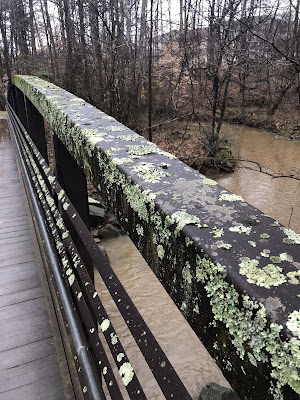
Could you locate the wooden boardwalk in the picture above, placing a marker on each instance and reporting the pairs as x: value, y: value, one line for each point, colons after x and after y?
x: 29, y: 366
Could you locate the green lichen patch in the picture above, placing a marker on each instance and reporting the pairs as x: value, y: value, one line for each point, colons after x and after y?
x: 137, y: 151
x: 268, y: 276
x: 114, y: 128
x: 122, y: 161
x: 183, y: 218
x: 120, y: 357
x: 226, y: 246
x: 294, y: 277
x: 148, y: 172
x: 210, y: 182
x: 113, y: 338
x: 105, y: 325
x: 293, y: 323
x: 266, y: 253
x: 164, y: 165
x: 71, y: 279
x: 250, y: 327
x: 286, y: 257
x: 186, y: 273
x: 294, y: 238
x: 108, y: 117
x: 288, y: 241
x: 131, y: 137
x: 264, y: 236
x: 160, y: 252
x: 139, y: 230
x: 126, y: 372
x: 112, y: 150
x: 230, y: 197
x: 275, y: 259
x: 217, y: 232
x: 241, y: 229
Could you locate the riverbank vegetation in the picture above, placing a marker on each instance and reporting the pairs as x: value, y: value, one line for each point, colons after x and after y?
x: 172, y: 71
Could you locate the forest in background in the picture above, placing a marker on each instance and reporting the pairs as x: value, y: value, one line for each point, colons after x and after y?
x: 165, y: 68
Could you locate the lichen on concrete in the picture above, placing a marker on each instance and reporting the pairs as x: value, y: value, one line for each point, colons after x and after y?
x: 235, y: 276
x: 267, y: 276
x: 230, y: 197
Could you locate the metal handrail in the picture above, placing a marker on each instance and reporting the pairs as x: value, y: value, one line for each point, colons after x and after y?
x: 91, y: 379
x: 133, y: 319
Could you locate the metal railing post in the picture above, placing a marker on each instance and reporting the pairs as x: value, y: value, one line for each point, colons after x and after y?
x: 73, y: 181
x: 21, y: 106
x: 36, y: 128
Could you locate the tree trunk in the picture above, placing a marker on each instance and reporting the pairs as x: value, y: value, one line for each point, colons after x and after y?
x: 96, y: 47
x: 70, y: 67
x: 84, y: 49
x: 49, y: 36
x: 150, y: 74
x: 281, y: 95
x: 32, y: 30
x: 5, y: 45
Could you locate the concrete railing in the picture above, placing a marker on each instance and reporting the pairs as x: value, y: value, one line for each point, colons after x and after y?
x: 233, y: 271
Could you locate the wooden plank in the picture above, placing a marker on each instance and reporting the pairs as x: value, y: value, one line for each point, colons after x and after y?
x: 12, y: 358
x: 13, y: 283
x: 16, y: 214
x: 21, y: 296
x: 10, y: 192
x: 20, y: 310
x: 26, y: 257
x: 14, y: 251
x: 9, y: 181
x: 11, y: 203
x: 11, y: 197
x: 11, y: 276
x: 20, y: 238
x: 11, y: 327
x: 8, y: 207
x: 32, y: 331
x: 28, y: 373
x: 49, y: 388
x: 18, y: 231
x: 14, y: 228
x: 37, y: 328
x: 18, y: 268
x: 16, y: 286
x: 14, y: 221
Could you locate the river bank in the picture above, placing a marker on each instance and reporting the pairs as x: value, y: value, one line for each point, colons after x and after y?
x: 186, y: 138
x: 285, y: 122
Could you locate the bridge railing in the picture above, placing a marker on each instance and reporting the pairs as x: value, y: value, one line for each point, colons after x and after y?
x: 61, y: 226
x: 232, y: 270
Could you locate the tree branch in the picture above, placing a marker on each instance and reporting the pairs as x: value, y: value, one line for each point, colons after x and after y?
x: 269, y: 172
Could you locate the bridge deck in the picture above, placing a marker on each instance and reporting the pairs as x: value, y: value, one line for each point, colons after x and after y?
x: 29, y: 366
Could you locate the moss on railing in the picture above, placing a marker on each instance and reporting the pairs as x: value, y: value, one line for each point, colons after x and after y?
x: 233, y: 271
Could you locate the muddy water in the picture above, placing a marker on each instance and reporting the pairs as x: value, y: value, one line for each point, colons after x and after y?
x: 188, y: 356
x: 279, y: 198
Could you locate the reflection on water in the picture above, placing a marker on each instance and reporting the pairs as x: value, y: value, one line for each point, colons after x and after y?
x: 277, y: 197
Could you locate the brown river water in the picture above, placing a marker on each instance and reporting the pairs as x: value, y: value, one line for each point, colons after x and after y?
x: 279, y: 198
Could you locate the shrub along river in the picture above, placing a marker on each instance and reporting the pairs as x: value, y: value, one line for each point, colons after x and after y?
x: 277, y: 197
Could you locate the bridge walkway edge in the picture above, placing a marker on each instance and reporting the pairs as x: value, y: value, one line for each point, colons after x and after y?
x: 32, y: 359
